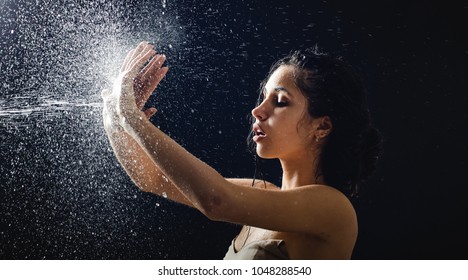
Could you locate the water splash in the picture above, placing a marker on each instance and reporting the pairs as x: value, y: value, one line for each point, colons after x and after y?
x: 65, y: 53
x: 57, y: 168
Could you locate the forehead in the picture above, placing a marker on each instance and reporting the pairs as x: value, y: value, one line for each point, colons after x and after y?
x: 282, y: 77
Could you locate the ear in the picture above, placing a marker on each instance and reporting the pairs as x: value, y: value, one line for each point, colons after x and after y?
x: 324, y: 127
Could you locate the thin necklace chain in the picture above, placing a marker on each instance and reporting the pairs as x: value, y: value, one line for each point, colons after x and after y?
x: 247, y: 237
x: 249, y: 227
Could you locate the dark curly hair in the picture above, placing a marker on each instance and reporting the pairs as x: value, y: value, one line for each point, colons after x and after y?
x: 332, y: 88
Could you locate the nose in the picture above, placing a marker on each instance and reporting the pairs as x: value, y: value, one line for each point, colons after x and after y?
x: 259, y: 113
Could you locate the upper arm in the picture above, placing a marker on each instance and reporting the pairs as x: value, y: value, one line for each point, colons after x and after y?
x: 316, y: 209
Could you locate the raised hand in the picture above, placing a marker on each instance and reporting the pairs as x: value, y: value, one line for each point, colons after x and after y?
x: 148, y: 79
x: 133, y: 86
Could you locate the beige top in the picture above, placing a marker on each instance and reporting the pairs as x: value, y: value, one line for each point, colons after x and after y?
x: 269, y: 249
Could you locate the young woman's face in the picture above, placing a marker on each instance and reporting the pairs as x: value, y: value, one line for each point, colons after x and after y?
x: 283, y: 128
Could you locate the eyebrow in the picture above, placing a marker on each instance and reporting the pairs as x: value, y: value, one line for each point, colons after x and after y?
x: 282, y: 89
x: 277, y: 89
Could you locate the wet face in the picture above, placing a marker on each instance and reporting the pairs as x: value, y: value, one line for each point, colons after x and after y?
x: 283, y: 129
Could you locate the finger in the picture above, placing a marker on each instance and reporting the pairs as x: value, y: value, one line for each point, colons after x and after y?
x: 146, y: 53
x: 136, y: 52
x: 150, y: 86
x: 141, y: 78
x: 160, y: 74
x: 152, y: 69
x: 141, y: 49
x: 154, y: 65
x: 128, y: 58
x: 150, y: 112
x: 138, y: 63
x: 148, y: 71
x: 154, y: 79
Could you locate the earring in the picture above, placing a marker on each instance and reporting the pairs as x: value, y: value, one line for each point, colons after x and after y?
x: 317, y: 139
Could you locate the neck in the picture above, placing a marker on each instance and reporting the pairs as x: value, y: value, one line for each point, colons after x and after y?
x: 300, y: 172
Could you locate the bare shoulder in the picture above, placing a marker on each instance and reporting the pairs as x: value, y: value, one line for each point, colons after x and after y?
x: 326, y: 191
x: 319, y: 210
x: 329, y: 197
x: 338, y: 212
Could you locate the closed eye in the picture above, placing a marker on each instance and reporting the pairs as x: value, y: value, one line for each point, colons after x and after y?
x: 281, y: 104
x: 275, y: 99
x: 279, y: 101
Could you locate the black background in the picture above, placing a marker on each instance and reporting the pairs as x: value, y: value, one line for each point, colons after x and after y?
x: 412, y: 56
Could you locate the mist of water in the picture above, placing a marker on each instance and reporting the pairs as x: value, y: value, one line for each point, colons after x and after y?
x: 58, y: 172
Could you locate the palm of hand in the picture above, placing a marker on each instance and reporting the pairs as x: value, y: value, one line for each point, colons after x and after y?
x: 134, y: 85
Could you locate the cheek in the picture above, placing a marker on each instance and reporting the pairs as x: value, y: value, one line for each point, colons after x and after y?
x: 290, y: 125
x: 287, y: 136
x: 301, y: 133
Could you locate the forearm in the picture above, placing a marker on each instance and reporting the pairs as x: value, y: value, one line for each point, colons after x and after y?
x: 141, y: 168
x: 200, y: 183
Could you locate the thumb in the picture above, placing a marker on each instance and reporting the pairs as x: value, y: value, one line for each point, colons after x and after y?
x: 150, y: 112
x: 105, y: 93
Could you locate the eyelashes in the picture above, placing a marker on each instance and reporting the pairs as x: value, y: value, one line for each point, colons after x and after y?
x: 281, y: 104
x: 275, y: 101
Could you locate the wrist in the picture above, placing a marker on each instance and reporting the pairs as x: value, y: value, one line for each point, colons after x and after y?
x: 113, y: 128
x: 131, y: 122
x: 111, y: 121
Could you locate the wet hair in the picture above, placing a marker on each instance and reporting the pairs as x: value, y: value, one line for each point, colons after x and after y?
x: 332, y: 88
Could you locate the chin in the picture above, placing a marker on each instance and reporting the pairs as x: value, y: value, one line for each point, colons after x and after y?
x: 264, y: 154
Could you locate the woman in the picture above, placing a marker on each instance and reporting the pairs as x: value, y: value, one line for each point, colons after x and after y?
x: 312, y: 116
